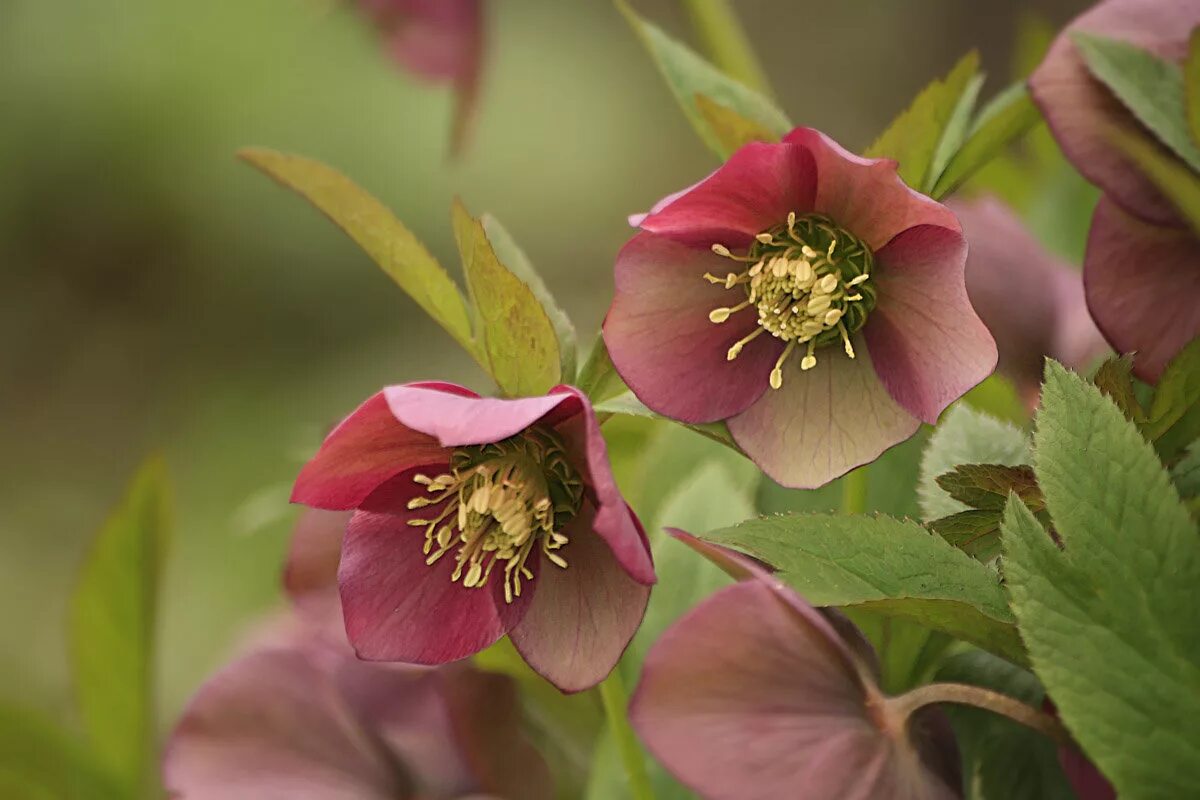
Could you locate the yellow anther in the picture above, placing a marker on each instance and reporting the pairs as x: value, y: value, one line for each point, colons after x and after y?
x: 719, y: 315
x: 809, y: 253
x: 819, y: 304
x: 829, y: 253
x: 708, y: 276
x: 833, y: 315
x: 737, y: 347
x: 765, y: 238
x: 804, y: 272
x: 808, y: 362
x: 721, y: 250
x: 556, y: 559
x: 856, y: 281
x: 828, y: 284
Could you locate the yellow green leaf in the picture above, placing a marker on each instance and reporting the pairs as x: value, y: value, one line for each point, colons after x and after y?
x: 1191, y: 85
x: 729, y: 127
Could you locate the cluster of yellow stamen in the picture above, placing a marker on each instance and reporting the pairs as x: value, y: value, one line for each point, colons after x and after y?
x: 498, y: 502
x: 810, y: 282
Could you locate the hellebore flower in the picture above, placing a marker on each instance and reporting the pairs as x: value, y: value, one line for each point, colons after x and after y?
x: 1030, y: 300
x: 1142, y: 266
x: 476, y: 517
x: 298, y: 717
x: 807, y: 297
x: 755, y: 694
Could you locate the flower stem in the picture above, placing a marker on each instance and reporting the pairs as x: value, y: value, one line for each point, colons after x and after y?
x: 616, y: 701
x: 854, y: 491
x: 904, y: 705
x: 726, y: 42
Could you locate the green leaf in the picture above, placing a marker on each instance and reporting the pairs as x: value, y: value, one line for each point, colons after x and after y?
x: 1191, y: 85
x: 913, y: 137
x: 598, y: 377
x: 1006, y: 118
x: 1150, y: 87
x: 39, y: 761
x: 112, y: 629
x: 965, y: 436
x: 975, y: 532
x: 510, y: 254
x: 628, y: 404
x: 1175, y: 411
x: 1114, y: 379
x: 518, y: 339
x: 729, y: 127
x: 987, y: 486
x: 377, y: 231
x: 688, y: 75
x: 955, y: 132
x: 1110, y: 620
x: 1175, y: 180
x: 885, y: 565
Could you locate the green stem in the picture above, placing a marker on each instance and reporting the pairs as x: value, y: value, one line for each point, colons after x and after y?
x: 612, y: 693
x: 854, y: 492
x: 726, y: 43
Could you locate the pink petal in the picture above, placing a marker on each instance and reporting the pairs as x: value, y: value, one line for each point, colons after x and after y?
x: 753, y: 191
x: 365, y: 450
x: 1143, y: 287
x: 582, y: 617
x: 866, y: 196
x: 636, y: 220
x: 822, y: 422
x: 1080, y: 109
x: 455, y: 419
x: 316, y: 547
x: 614, y: 521
x: 660, y: 338
x: 399, y: 609
x: 928, y: 345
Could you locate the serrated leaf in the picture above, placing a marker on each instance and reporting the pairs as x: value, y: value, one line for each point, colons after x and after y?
x: 1150, y: 87
x: 975, y: 532
x: 377, y: 231
x: 1175, y: 411
x: 880, y: 564
x: 688, y: 75
x: 39, y: 760
x: 1173, y: 179
x: 1114, y: 379
x: 730, y: 128
x: 987, y: 486
x: 1002, y: 121
x: 965, y: 436
x: 518, y: 340
x: 913, y: 137
x: 112, y: 629
x: 510, y: 254
x: 1191, y: 85
x: 1110, y: 620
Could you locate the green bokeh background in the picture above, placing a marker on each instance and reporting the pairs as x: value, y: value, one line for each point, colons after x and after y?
x: 160, y: 296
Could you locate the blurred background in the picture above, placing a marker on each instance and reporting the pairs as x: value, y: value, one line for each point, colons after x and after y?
x: 160, y: 296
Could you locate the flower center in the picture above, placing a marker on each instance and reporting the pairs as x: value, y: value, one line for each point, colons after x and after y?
x: 810, y: 282
x: 498, y: 502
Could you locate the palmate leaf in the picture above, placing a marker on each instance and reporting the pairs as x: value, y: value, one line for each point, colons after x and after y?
x: 1110, y: 619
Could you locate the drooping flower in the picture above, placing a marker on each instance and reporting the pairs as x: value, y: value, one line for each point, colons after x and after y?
x: 755, y: 695
x: 1030, y: 300
x: 1142, y: 266
x: 807, y: 297
x: 298, y: 717
x: 476, y: 517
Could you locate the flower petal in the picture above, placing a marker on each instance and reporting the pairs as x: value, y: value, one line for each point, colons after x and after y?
x: 926, y: 341
x: 822, y: 422
x: 456, y: 419
x: 316, y: 547
x: 866, y: 195
x: 753, y: 191
x: 582, y: 617
x: 662, y: 342
x: 365, y: 450
x: 1143, y: 287
x: 397, y: 608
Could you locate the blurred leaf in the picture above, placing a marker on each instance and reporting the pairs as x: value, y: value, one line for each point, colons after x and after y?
x: 688, y: 75
x: 955, y: 132
x: 893, y: 567
x: 1175, y: 411
x: 724, y: 37
x: 510, y: 254
x: 729, y: 127
x: 1150, y: 87
x: 1114, y: 379
x: 598, y: 378
x: 38, y: 760
x: 608, y: 779
x: 987, y: 486
x: 914, y: 137
x: 907, y: 651
x: 113, y: 620
x: 1007, y: 117
x: 976, y: 532
x: 997, y: 396
x: 377, y: 231
x: 1110, y: 619
x: 1191, y: 85
x: 965, y: 436
x: 1173, y: 179
x: 1186, y: 475
x: 518, y: 339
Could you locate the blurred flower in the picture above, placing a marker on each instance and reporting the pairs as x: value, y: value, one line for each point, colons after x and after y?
x: 1031, y: 301
x: 1142, y: 267
x: 476, y: 517
x: 857, y: 278
x: 755, y: 695
x: 297, y: 716
x: 439, y: 40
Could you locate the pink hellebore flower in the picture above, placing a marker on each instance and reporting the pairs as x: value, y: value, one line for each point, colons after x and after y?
x: 755, y: 695
x: 1030, y: 300
x: 476, y: 517
x: 298, y: 717
x: 1142, y: 267
x: 807, y: 297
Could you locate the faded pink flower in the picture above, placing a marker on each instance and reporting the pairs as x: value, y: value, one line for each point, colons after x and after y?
x: 1142, y: 267
x: 755, y: 695
x: 807, y: 297
x: 479, y: 517
x: 1030, y: 300
x: 298, y: 717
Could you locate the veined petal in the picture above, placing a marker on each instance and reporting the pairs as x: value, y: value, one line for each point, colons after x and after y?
x: 456, y: 419
x: 926, y: 341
